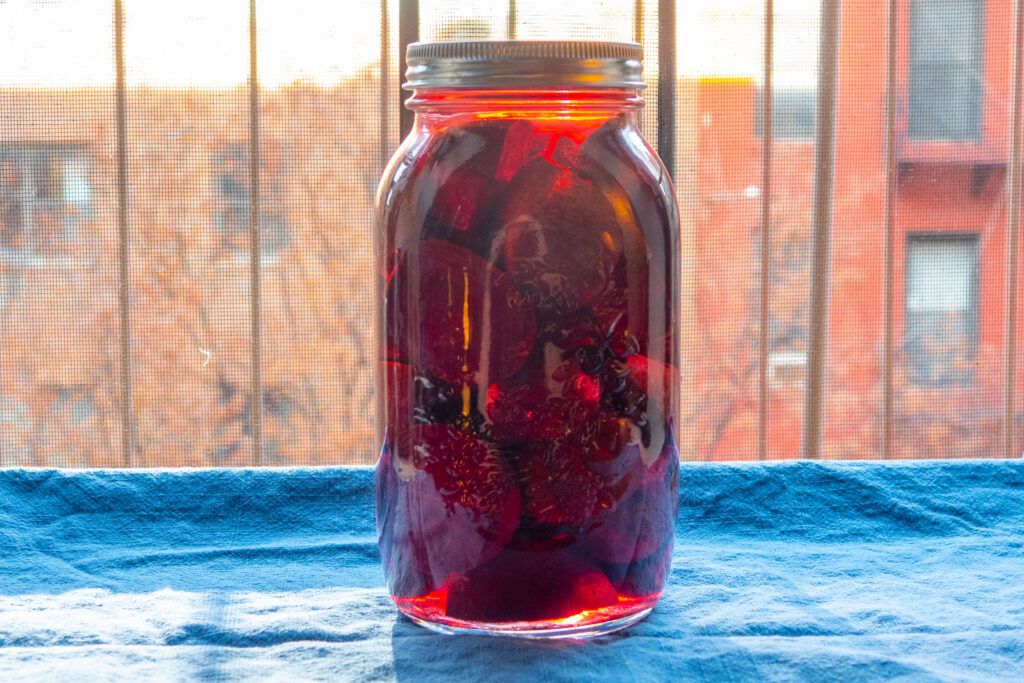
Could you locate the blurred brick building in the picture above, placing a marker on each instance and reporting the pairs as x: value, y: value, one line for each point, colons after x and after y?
x: 188, y: 218
x: 953, y: 66
x: 321, y: 154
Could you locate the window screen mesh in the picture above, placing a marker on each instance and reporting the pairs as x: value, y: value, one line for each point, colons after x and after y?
x: 922, y: 213
x: 59, y: 362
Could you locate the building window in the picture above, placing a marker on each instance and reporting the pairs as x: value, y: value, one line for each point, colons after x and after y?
x: 45, y: 194
x: 942, y: 309
x: 232, y: 218
x: 232, y: 181
x: 279, y: 409
x: 946, y: 69
x: 793, y: 113
x: 75, y: 404
x: 787, y: 369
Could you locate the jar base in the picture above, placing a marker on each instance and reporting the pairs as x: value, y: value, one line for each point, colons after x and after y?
x: 585, y: 625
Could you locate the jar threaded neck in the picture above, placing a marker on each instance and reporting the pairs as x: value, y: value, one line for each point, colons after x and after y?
x: 524, y: 64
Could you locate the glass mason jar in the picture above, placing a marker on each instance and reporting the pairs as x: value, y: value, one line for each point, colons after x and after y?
x: 527, y: 247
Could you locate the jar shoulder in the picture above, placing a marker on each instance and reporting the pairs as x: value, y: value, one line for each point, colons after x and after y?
x: 399, y: 170
x: 632, y: 174
x: 456, y: 174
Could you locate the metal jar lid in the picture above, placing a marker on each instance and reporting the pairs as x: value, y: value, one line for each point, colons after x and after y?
x: 538, y: 64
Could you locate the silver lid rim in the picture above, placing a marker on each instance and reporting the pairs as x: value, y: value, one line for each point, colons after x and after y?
x: 539, y: 64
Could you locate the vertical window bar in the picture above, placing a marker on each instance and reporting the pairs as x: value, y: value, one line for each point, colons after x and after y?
x: 890, y: 227
x: 1013, y: 239
x: 124, y: 273
x: 766, y: 227
x: 512, y: 19
x: 385, y: 83
x: 638, y: 21
x: 667, y: 83
x: 256, y: 357
x: 824, y: 177
x: 408, y: 32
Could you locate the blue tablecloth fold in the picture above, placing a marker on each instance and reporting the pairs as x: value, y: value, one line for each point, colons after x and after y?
x: 785, y: 571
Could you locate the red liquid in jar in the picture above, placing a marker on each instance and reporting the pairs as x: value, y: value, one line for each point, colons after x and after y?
x: 529, y: 469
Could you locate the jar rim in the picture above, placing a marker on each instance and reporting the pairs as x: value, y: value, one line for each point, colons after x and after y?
x: 524, y: 64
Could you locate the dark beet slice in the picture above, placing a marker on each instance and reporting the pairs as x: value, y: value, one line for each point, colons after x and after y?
x: 666, y: 466
x: 483, y: 142
x: 560, y: 236
x: 415, y: 398
x: 654, y: 378
x: 525, y: 413
x: 462, y: 186
x: 444, y: 187
x: 522, y: 412
x: 528, y: 586
x: 573, y: 479
x: 523, y: 143
x: 635, y: 528
x: 646, y: 577
x: 459, y: 204
x: 452, y: 308
x: 434, y: 401
x: 456, y: 506
x: 405, y: 578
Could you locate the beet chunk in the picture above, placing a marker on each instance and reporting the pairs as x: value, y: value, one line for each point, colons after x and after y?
x: 647, y: 577
x: 418, y: 398
x: 449, y: 309
x: 640, y: 525
x: 652, y: 377
x: 461, y: 199
x: 542, y: 403
x: 527, y: 586
x: 456, y: 506
x: 464, y: 183
x: 446, y: 186
x: 405, y: 578
x: 560, y: 236
x: 525, y: 142
x: 575, y: 478
x: 636, y: 528
x: 527, y: 413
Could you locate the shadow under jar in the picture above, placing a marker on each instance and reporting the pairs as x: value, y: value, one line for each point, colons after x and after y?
x: 527, y: 269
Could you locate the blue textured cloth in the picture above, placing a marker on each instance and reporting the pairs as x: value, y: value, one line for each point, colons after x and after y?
x: 795, y: 571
